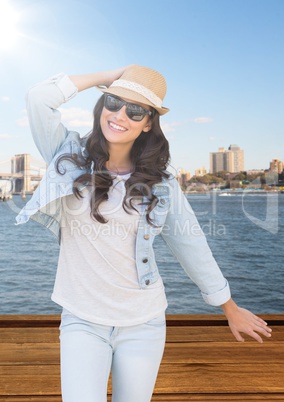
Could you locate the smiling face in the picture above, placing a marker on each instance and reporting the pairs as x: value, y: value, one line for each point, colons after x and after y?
x: 118, y: 128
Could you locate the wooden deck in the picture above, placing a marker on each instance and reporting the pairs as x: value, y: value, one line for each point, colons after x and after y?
x: 202, y: 361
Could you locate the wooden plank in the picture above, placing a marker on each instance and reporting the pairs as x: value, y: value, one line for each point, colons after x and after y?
x: 163, y: 398
x: 172, y: 379
x: 172, y: 320
x: 230, y: 353
x: 217, y: 397
x: 30, y: 380
x: 213, y: 334
x: 29, y: 353
x: 29, y: 321
x: 29, y: 335
x: 220, y: 378
x: 215, y: 319
x: 174, y: 334
x: 42, y: 398
x: 226, y: 352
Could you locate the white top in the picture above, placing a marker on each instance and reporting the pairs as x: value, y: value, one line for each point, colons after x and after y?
x: 96, y: 276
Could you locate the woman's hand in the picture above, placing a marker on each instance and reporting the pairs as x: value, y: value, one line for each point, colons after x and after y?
x: 113, y: 75
x: 100, y: 78
x: 243, y: 321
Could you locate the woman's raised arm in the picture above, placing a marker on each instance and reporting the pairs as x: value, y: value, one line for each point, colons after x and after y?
x: 44, y: 99
x: 102, y: 78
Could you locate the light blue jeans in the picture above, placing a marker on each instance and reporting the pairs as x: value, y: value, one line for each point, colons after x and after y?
x: 90, y: 351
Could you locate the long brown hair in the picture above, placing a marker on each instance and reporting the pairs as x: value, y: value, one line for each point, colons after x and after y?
x: 149, y: 156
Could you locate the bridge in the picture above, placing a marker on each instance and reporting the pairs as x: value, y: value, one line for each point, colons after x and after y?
x: 25, y: 171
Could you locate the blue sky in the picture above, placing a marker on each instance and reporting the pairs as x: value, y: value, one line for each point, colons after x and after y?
x: 223, y: 61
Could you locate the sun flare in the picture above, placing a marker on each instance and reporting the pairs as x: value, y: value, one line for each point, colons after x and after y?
x: 8, y: 25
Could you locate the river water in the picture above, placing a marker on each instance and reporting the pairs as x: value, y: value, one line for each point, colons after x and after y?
x: 244, y: 231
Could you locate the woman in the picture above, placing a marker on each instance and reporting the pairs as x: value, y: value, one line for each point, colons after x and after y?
x: 106, y: 197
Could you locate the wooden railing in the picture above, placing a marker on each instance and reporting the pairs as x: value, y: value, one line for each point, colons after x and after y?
x: 202, y: 361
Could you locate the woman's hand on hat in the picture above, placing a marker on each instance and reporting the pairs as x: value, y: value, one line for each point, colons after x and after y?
x: 100, y: 78
x: 112, y: 75
x: 243, y: 321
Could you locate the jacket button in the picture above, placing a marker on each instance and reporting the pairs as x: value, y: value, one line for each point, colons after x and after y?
x: 147, y: 282
x: 145, y: 260
x: 146, y: 237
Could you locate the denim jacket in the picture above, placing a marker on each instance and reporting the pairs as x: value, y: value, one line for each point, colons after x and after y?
x: 172, y: 216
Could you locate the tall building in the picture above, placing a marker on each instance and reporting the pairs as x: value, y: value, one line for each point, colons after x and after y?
x: 239, y: 162
x: 182, y: 177
x: 21, y: 164
x: 229, y: 160
x: 276, y: 166
x: 201, y: 171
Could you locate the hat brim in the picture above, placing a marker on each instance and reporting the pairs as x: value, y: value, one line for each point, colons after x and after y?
x: 133, y: 96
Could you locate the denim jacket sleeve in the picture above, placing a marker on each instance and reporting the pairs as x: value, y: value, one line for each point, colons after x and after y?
x: 42, y: 101
x: 185, y: 238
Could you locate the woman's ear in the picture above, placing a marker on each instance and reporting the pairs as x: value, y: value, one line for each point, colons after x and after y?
x: 147, y: 127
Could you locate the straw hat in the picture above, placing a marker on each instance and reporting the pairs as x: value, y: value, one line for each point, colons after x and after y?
x: 140, y: 84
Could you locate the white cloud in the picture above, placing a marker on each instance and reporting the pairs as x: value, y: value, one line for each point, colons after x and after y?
x: 5, y: 98
x: 202, y: 120
x: 73, y: 117
x: 23, y: 122
x: 77, y: 117
x: 171, y: 127
x: 6, y: 136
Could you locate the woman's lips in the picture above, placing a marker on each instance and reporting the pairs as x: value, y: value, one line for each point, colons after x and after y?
x: 116, y: 127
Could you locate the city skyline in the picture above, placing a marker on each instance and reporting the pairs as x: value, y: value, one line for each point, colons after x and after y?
x: 40, y: 166
x: 223, y: 62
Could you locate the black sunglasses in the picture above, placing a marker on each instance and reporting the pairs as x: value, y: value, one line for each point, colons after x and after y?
x: 133, y: 111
